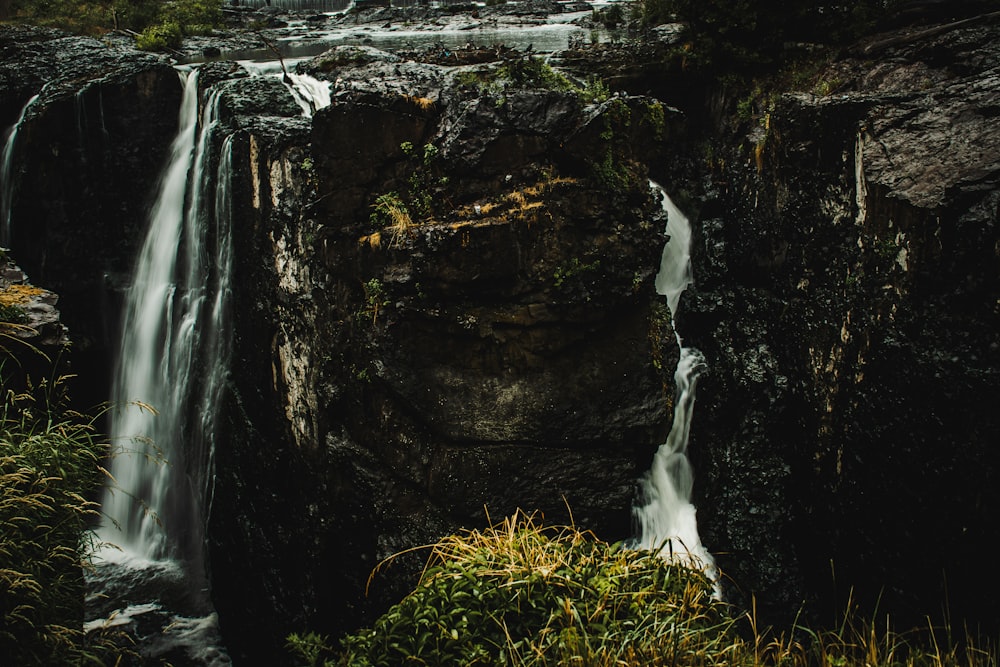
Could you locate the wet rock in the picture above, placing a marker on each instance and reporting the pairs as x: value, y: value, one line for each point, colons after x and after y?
x: 341, y: 57
x: 494, y: 352
x: 28, y: 314
x: 845, y: 294
x: 97, y: 129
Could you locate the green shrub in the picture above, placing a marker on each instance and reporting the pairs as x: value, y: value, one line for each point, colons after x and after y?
x: 160, y: 37
x: 191, y: 13
x: 519, y: 594
x: 12, y: 314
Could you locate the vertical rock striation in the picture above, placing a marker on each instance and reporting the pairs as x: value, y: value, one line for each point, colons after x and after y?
x: 396, y: 379
x: 848, y: 305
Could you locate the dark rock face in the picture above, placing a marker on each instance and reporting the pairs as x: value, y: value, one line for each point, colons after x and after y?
x: 492, y: 352
x: 443, y: 305
x: 86, y: 155
x: 846, y: 299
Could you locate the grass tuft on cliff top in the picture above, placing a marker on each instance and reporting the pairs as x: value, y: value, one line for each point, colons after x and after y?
x: 521, y: 594
x: 518, y: 593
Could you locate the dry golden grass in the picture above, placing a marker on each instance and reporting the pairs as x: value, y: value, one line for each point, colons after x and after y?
x: 423, y: 103
x: 16, y: 295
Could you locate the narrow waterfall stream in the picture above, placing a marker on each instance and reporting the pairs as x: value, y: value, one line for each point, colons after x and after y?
x: 172, y: 364
x: 7, y: 175
x: 171, y: 370
x: 666, y: 518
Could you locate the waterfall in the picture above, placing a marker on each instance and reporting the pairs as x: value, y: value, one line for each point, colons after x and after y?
x: 171, y: 370
x: 330, y: 6
x: 666, y: 521
x: 310, y: 93
x: 173, y: 354
x: 7, y: 174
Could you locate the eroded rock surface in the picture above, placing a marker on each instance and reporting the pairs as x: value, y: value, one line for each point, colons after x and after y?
x: 445, y: 309
x: 443, y: 303
x: 846, y: 301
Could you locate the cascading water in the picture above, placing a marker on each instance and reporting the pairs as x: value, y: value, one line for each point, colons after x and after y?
x: 153, y: 336
x: 7, y: 174
x: 666, y: 521
x: 310, y: 93
x: 173, y: 358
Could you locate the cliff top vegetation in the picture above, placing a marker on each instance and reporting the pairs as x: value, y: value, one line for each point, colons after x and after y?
x: 158, y: 24
x: 520, y: 593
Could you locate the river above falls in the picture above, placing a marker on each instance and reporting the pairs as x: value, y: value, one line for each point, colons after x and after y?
x: 300, y: 34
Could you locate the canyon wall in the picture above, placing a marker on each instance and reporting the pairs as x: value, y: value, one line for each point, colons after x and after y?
x: 396, y: 377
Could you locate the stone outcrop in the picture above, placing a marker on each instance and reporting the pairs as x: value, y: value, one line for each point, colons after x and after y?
x: 443, y: 306
x: 87, y: 153
x: 32, y: 335
x: 846, y: 300
x: 493, y: 350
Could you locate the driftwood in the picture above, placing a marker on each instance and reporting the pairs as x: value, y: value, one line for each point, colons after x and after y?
x: 274, y: 49
x: 875, y: 47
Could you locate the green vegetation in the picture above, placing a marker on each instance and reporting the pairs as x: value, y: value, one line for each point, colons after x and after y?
x: 532, y: 73
x: 49, y: 467
x: 611, y: 17
x: 572, y: 268
x: 612, y: 173
x: 522, y: 594
x: 389, y: 209
x: 159, y: 24
x: 425, y: 185
x: 425, y: 193
x: 12, y: 314
x: 375, y: 300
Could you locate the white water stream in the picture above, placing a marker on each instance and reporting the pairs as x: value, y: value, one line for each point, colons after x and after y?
x: 666, y: 520
x: 310, y: 93
x: 7, y: 179
x: 171, y: 370
x: 172, y: 365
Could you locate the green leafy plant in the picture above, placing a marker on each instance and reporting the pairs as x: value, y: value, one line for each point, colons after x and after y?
x: 520, y: 594
x: 594, y: 91
x: 573, y: 267
x: 375, y: 300
x: 160, y: 37
x: 389, y: 210
x: 532, y: 73
x: 425, y: 187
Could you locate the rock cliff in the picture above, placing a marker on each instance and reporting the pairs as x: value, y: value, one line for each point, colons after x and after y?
x: 443, y: 306
x: 847, y: 302
x: 446, y: 310
x: 87, y: 152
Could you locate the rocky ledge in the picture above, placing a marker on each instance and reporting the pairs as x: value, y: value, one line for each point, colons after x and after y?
x: 847, y: 301
x: 449, y: 281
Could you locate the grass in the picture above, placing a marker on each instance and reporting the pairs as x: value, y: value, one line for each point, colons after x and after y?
x: 49, y: 470
x: 519, y: 593
x: 391, y: 211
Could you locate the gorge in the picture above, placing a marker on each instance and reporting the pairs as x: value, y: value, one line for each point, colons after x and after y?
x: 443, y: 302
